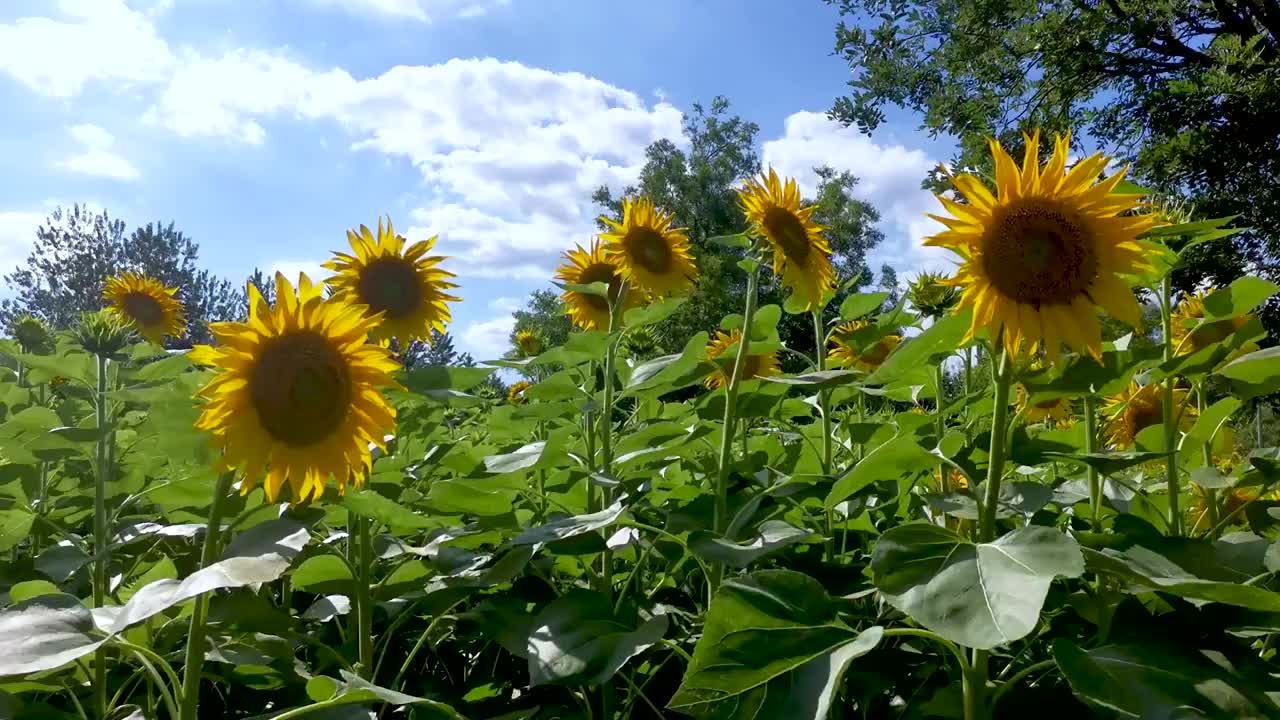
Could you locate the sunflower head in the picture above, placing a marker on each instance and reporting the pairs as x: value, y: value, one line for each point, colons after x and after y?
x: 103, y: 333
x: 1054, y: 411
x: 516, y: 393
x: 32, y: 333
x: 528, y: 343
x: 956, y: 480
x: 297, y: 397
x: 1191, y: 334
x: 584, y: 267
x: 1044, y: 248
x: 801, y: 255
x: 852, y: 346
x: 146, y: 305
x: 762, y: 365
x: 933, y: 294
x: 652, y: 255
x: 1139, y: 407
x: 1229, y: 501
x: 400, y: 281
x: 639, y: 342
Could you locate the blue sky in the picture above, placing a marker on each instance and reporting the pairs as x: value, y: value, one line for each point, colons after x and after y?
x: 265, y: 129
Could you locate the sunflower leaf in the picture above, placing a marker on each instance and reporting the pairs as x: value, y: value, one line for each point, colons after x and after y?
x: 600, y: 289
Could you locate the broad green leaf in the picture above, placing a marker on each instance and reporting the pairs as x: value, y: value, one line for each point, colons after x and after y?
x: 1146, y: 569
x: 859, y: 304
x: 352, y: 690
x: 599, y: 289
x: 45, y: 632
x: 1153, y: 681
x: 15, y: 526
x: 459, y: 497
x: 770, y: 536
x: 1209, y: 421
x: 980, y: 596
x: 570, y: 527
x: 328, y: 607
x: 32, y: 588
x: 521, y: 459
x: 322, y: 574
x: 818, y: 378
x: 1242, y: 296
x: 670, y: 372
x: 427, y: 379
x: 165, y: 369
x: 761, y: 635
x: 1188, y: 229
x: 1109, y: 463
x: 577, y: 640
x: 1254, y: 374
x: 370, y: 504
x: 653, y: 312
x: 893, y: 459
x: 939, y: 340
x: 740, y: 240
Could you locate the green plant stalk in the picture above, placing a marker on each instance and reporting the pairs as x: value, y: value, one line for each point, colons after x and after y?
x: 1211, y: 494
x: 940, y: 426
x: 720, y: 519
x: 606, y: 461
x: 194, y: 664
x: 1170, y: 428
x: 100, y: 532
x: 824, y: 406
x: 975, y: 681
x: 1091, y: 446
x: 590, y: 433
x: 364, y: 597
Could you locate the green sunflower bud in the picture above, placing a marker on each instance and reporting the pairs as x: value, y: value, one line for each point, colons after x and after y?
x: 102, y: 333
x: 32, y: 334
x: 933, y: 295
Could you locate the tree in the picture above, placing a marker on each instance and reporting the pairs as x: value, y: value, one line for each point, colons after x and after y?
x: 440, y: 352
x: 1187, y: 90
x: 543, y: 314
x: 77, y: 250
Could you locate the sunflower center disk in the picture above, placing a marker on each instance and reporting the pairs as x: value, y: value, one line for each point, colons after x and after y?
x: 788, y: 232
x: 391, y: 285
x: 301, y: 388
x: 1039, y: 255
x: 143, y: 309
x: 649, y: 250
x: 1145, y: 414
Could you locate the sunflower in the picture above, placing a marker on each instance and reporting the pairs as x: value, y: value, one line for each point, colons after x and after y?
x: 1055, y: 410
x: 528, y: 342
x: 933, y: 294
x: 846, y: 351
x: 1190, y: 335
x: 516, y: 393
x: 1038, y: 255
x: 652, y: 256
x: 583, y: 267
x: 1138, y: 407
x: 298, y: 394
x: 801, y: 255
x: 1229, y: 501
x: 957, y: 480
x: 145, y: 304
x: 402, y: 282
x: 762, y: 365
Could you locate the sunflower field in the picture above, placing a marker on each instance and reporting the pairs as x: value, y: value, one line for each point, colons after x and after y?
x: 287, y: 524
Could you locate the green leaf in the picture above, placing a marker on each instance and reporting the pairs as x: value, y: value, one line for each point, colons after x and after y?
x: 428, y: 379
x: 653, y: 312
x: 859, y: 304
x: 770, y: 536
x: 980, y: 596
x: 1153, y: 681
x: 738, y: 240
x: 31, y: 588
x: 1210, y: 420
x: 521, y: 459
x: 939, y: 340
x: 599, y: 289
x: 352, y: 690
x: 1189, y: 229
x: 1146, y: 569
x: 166, y: 369
x: 15, y: 526
x: 771, y: 648
x: 1242, y: 296
x: 818, y: 378
x: 570, y: 527
x: 577, y: 640
x: 370, y: 504
x: 671, y: 372
x: 451, y: 497
x: 322, y: 574
x: 1109, y: 463
x: 892, y: 460
x: 1254, y: 374
x: 44, y: 633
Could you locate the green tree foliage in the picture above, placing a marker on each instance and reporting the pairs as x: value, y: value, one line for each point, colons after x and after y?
x: 1187, y: 90
x: 439, y: 352
x: 544, y: 314
x: 76, y: 250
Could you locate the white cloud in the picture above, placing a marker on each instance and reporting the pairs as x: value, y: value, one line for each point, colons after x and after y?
x: 487, y: 339
x: 17, y: 231
x: 889, y: 177
x: 97, y: 159
x: 423, y: 10
x: 103, y: 40
x: 506, y: 305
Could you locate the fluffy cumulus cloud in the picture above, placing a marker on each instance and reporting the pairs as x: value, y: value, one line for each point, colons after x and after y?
x: 96, y: 157
x: 488, y: 339
x: 889, y: 178
x: 423, y: 10
x: 17, y: 231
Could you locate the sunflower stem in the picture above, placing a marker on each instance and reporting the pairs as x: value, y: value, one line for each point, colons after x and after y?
x: 100, y: 530
x: 606, y: 461
x: 1002, y: 376
x: 940, y: 426
x: 194, y: 665
x: 1091, y: 446
x: 1211, y: 494
x: 721, y: 517
x: 364, y: 597
x: 1170, y: 428
x: 824, y: 407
